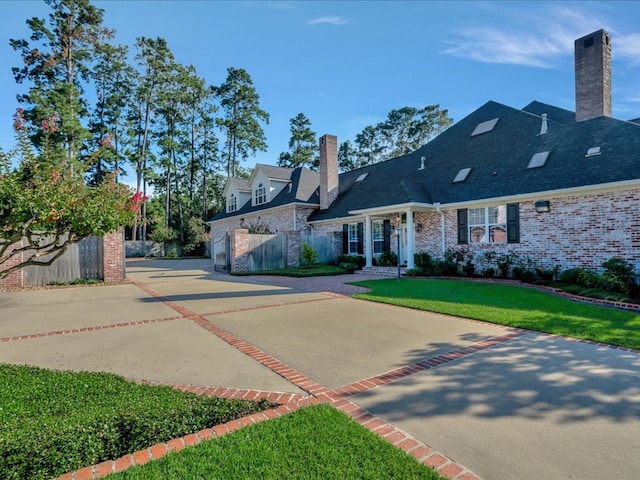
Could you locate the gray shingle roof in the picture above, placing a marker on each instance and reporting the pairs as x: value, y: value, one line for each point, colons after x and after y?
x: 498, y: 161
x: 304, y: 189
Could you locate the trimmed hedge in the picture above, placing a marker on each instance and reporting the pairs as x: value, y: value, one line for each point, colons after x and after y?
x: 54, y: 422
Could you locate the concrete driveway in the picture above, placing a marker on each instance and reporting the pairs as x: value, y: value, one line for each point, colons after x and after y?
x: 477, y: 399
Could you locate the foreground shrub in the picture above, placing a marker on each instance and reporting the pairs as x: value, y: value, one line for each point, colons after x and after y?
x: 55, y: 422
x: 388, y: 259
x: 358, y: 260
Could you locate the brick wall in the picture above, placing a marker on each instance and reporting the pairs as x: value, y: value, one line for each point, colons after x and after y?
x: 579, y: 231
x: 15, y: 279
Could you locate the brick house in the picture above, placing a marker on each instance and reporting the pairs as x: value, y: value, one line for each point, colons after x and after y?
x: 559, y: 187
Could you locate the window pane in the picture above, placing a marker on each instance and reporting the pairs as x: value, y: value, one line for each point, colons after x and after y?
x: 497, y: 233
x: 476, y: 216
x: 477, y: 234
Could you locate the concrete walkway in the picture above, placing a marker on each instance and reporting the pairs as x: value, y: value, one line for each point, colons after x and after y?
x: 471, y: 399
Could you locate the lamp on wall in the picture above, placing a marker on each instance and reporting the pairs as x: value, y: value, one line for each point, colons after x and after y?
x: 418, y: 227
x: 542, y: 206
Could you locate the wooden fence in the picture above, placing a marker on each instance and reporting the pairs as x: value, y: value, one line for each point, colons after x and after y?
x: 81, y: 261
x: 323, y: 245
x: 267, y: 252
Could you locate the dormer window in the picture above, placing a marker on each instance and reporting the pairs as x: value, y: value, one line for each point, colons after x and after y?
x: 260, y: 195
x: 232, y: 203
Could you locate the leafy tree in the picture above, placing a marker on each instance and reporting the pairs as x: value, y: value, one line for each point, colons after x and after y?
x: 402, y: 132
x: 58, y: 57
x: 303, y: 145
x: 45, y: 204
x: 347, y: 156
x: 369, y: 145
x: 195, y: 236
x: 113, y: 78
x: 241, y: 120
x: 154, y: 60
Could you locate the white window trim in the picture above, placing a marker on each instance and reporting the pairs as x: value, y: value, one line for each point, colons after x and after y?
x: 377, y: 229
x: 486, y: 225
x: 353, y: 238
x: 232, y: 205
x: 260, y: 195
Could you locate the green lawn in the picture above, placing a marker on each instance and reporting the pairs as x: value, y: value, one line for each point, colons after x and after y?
x: 313, y: 443
x: 54, y: 422
x: 510, y: 305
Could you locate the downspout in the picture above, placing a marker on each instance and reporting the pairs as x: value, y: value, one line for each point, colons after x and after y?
x: 295, y: 223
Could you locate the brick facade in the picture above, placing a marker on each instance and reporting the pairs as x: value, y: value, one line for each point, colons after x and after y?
x: 579, y: 231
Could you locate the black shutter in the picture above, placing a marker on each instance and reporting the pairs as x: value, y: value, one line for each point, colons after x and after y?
x: 462, y: 226
x: 386, y: 248
x: 345, y: 238
x: 513, y: 223
x: 360, y: 238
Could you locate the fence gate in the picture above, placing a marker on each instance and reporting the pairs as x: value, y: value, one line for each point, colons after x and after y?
x: 267, y: 252
x: 221, y: 253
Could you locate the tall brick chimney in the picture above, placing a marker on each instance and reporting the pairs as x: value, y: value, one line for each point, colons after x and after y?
x: 593, y: 75
x: 328, y: 170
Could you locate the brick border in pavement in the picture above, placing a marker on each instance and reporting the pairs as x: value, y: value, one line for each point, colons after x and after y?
x: 289, y: 402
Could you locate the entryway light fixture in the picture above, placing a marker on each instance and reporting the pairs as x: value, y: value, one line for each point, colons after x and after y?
x: 542, y: 206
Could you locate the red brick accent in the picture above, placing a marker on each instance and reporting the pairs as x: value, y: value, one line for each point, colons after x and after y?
x: 16, y: 279
x: 113, y: 259
x: 84, y: 474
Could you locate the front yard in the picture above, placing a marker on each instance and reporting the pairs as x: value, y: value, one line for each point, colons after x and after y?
x: 511, y: 305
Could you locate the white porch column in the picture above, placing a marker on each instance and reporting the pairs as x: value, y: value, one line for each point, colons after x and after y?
x: 411, y: 240
x: 368, y: 241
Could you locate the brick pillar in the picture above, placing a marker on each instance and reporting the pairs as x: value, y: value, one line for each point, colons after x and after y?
x: 16, y: 278
x: 239, y: 260
x: 293, y: 248
x: 113, y: 261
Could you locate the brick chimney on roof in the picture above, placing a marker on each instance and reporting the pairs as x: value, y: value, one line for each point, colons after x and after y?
x: 593, y: 76
x: 328, y: 170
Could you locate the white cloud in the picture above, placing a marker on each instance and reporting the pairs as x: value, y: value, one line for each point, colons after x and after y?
x: 533, y: 40
x: 327, y: 20
x: 628, y: 47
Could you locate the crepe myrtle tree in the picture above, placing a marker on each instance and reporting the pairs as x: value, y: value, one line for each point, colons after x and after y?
x: 46, y: 205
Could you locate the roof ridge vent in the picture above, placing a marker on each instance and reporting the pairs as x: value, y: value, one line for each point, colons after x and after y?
x: 543, y: 127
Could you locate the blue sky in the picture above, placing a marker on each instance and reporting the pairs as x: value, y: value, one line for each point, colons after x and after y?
x: 346, y: 64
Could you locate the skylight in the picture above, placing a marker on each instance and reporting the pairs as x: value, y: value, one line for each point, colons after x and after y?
x: 593, y: 151
x: 362, y: 177
x: 538, y: 159
x: 462, y: 175
x: 485, y: 127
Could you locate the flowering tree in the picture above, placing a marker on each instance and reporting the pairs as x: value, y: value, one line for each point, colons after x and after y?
x: 45, y: 204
